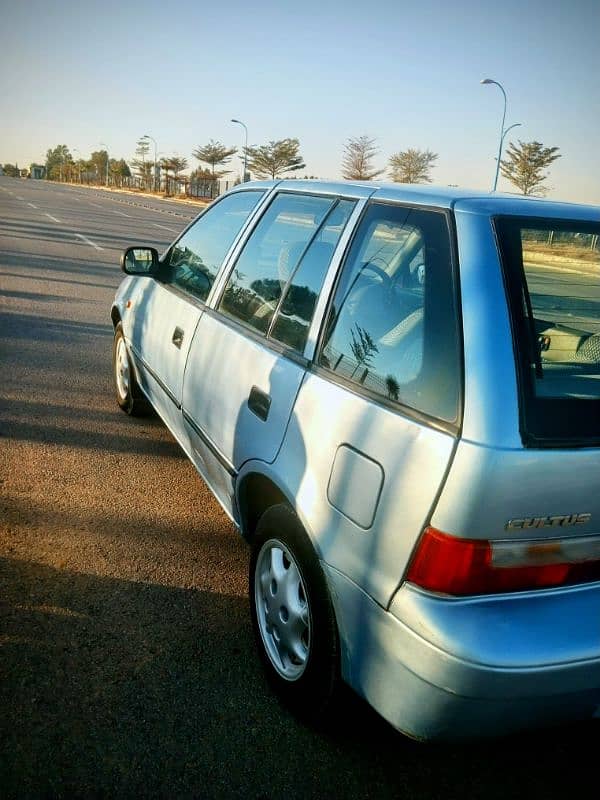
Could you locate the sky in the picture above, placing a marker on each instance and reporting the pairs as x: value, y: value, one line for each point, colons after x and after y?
x: 82, y: 72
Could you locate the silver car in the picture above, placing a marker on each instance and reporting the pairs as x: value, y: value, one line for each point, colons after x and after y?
x: 394, y: 393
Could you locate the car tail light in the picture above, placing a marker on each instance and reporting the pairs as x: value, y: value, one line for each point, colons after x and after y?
x: 448, y: 564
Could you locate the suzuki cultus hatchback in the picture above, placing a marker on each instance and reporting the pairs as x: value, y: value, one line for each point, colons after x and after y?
x: 394, y: 393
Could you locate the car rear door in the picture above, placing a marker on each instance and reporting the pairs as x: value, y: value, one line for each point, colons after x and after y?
x: 376, y: 422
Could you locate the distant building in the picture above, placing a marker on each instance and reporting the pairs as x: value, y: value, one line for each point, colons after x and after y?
x: 37, y: 171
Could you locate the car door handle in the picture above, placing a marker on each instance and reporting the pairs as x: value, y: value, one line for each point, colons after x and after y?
x: 259, y: 403
x: 177, y: 337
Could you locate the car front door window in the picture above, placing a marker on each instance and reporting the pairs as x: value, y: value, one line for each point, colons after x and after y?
x: 196, y: 257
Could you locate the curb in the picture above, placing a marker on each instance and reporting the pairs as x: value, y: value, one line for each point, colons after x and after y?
x: 195, y: 206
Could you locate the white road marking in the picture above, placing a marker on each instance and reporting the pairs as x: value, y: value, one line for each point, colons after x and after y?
x: 31, y: 204
x: 122, y: 213
x: 20, y: 198
x: 164, y: 228
x: 96, y: 204
x: 88, y: 241
x: 53, y: 218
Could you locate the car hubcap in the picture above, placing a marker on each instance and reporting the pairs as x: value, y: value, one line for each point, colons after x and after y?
x: 122, y: 369
x: 282, y: 610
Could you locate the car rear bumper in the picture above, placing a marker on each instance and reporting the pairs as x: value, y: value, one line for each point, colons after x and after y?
x: 444, y: 669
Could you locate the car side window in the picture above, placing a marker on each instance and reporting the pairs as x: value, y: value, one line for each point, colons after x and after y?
x: 392, y: 327
x: 195, y: 258
x: 296, y: 309
x: 270, y: 257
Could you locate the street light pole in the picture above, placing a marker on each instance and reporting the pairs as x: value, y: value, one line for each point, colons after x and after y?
x: 510, y: 127
x: 239, y: 122
x: 502, y: 131
x: 147, y: 136
x: 107, y: 159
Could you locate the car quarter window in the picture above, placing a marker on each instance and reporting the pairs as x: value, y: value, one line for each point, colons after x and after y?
x: 271, y: 255
x: 195, y: 258
x: 392, y: 327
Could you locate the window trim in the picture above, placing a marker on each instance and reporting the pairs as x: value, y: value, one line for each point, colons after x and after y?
x: 454, y: 427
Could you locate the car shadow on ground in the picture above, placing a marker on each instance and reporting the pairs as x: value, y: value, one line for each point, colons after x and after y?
x: 115, y: 687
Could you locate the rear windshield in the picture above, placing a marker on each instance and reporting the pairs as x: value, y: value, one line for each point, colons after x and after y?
x: 553, y: 278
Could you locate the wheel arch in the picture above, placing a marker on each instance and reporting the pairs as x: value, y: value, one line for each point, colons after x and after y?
x: 115, y: 315
x: 256, y: 493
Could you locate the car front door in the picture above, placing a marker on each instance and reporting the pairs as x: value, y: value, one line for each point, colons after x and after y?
x: 246, y: 361
x: 165, y: 312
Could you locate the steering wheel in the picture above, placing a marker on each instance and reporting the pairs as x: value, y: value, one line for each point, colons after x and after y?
x: 357, y: 293
x: 378, y: 271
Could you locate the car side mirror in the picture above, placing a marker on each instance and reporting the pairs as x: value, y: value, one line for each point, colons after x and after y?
x: 140, y: 261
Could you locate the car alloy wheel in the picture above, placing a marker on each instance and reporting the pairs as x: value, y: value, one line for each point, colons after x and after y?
x: 122, y: 375
x: 282, y: 610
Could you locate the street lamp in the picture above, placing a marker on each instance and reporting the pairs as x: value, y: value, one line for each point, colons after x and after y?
x: 105, y: 145
x: 147, y: 136
x: 510, y: 127
x: 502, y: 131
x: 239, y: 122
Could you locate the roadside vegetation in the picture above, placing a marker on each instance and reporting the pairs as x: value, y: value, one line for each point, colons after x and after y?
x: 525, y: 166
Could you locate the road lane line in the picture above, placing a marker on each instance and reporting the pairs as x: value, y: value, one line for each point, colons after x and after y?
x: 97, y: 205
x: 31, y: 204
x: 164, y: 228
x: 122, y: 213
x: 20, y: 198
x: 88, y: 241
x: 53, y: 218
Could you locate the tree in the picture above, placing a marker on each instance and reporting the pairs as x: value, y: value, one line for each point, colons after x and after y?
x: 524, y: 165
x: 173, y: 164
x: 215, y: 153
x: 98, y: 161
x: 144, y: 169
x: 177, y: 165
x: 359, y: 153
x: 275, y: 158
x: 56, y: 159
x: 393, y: 388
x: 141, y: 151
x: 12, y: 170
x: 142, y: 148
x: 363, y: 348
x: 119, y: 170
x: 412, y: 165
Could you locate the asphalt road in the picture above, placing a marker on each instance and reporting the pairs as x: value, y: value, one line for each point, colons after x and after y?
x: 127, y: 667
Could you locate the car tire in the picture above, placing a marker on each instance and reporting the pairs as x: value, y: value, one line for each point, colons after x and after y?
x: 292, y: 616
x: 128, y: 393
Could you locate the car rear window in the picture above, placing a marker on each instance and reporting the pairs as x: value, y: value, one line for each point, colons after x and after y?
x: 553, y: 278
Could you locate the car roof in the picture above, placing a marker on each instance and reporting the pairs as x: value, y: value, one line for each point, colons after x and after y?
x: 473, y: 201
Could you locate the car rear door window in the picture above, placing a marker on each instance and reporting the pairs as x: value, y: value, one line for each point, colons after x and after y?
x: 297, y: 305
x: 196, y: 257
x: 270, y: 257
x: 392, y: 328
